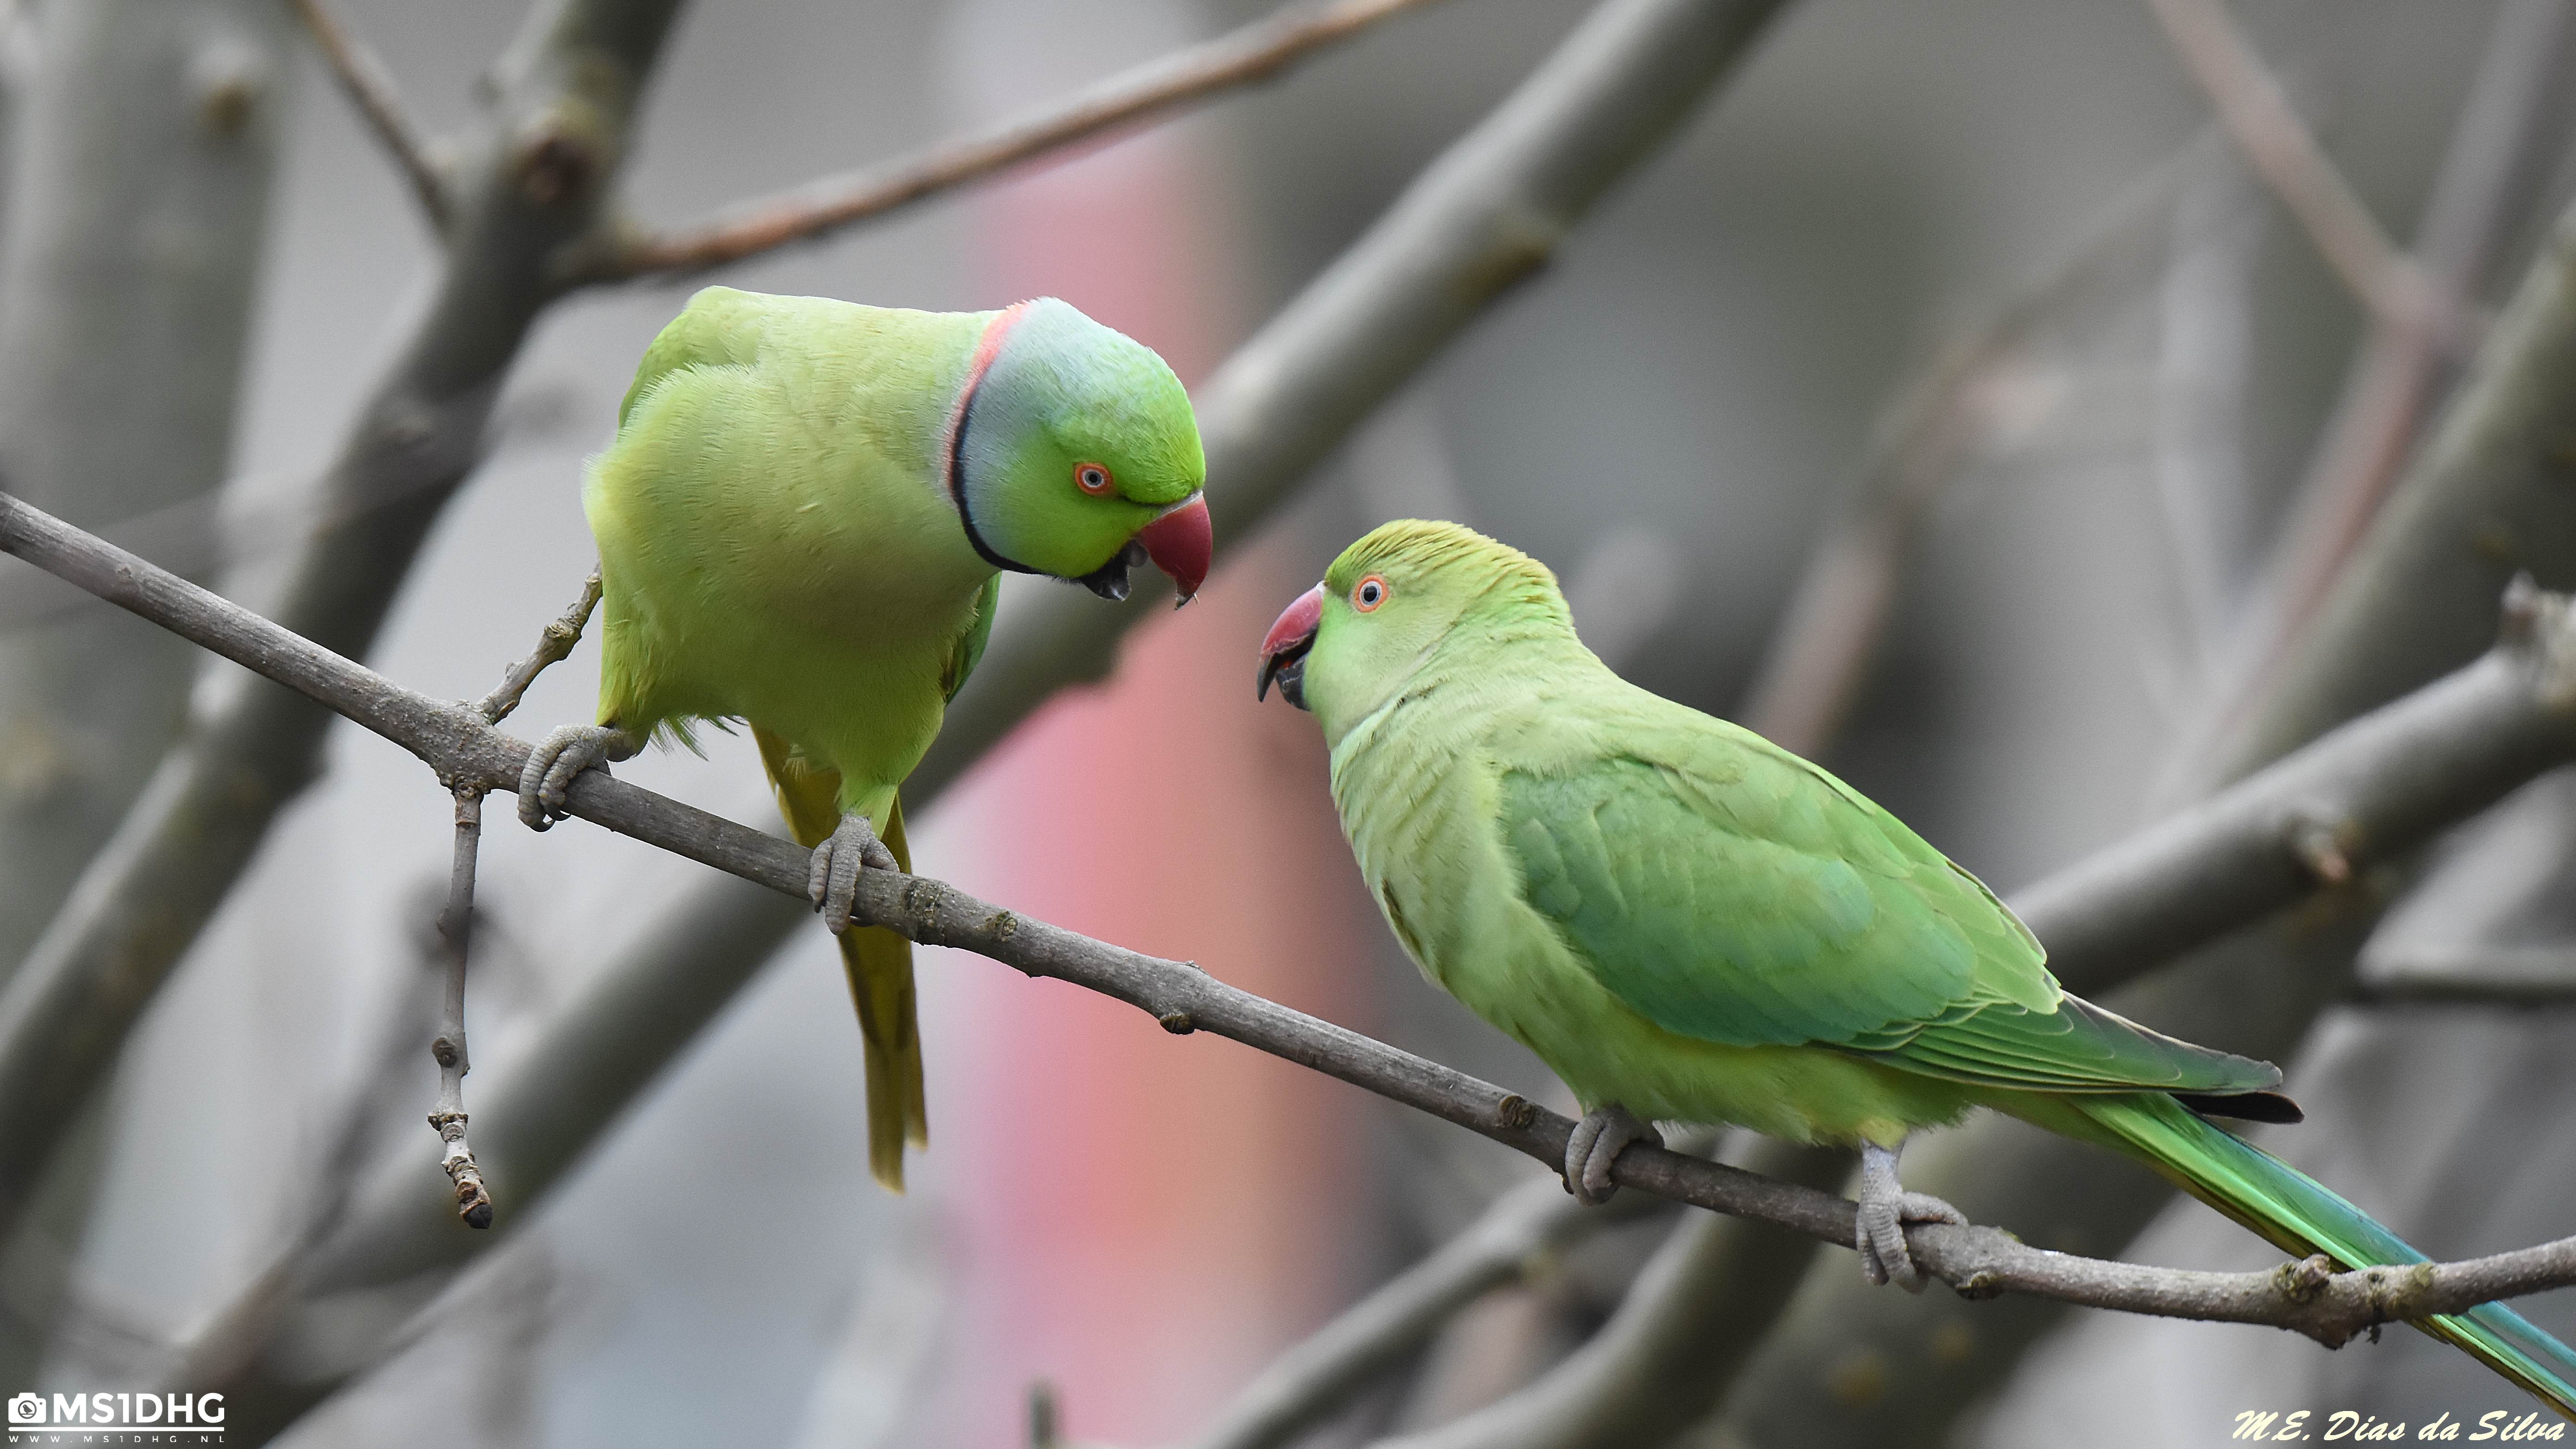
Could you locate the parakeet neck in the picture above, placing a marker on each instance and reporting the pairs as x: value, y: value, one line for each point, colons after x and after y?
x: 1487, y: 658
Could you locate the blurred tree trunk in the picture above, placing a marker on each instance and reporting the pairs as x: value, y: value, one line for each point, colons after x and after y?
x: 143, y: 137
x: 136, y: 203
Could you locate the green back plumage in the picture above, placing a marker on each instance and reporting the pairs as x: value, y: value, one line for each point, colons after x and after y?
x: 1730, y: 892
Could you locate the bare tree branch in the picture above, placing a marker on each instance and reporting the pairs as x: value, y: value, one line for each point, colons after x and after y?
x: 370, y: 87
x: 1258, y: 52
x: 2485, y: 499
x: 2319, y: 817
x: 2533, y: 692
x: 2484, y: 191
x: 554, y: 643
x: 456, y: 928
x: 2285, y: 154
x: 534, y: 184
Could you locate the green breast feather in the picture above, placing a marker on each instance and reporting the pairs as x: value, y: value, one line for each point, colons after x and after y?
x: 1730, y: 892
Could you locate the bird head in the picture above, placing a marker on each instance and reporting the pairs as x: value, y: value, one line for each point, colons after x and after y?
x: 1392, y: 602
x: 1072, y: 451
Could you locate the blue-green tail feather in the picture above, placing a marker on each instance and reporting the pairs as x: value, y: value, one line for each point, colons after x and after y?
x: 2299, y: 1215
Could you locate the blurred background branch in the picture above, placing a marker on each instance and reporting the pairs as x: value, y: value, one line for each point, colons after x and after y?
x: 1256, y: 53
x: 369, y: 85
x: 2258, y: 115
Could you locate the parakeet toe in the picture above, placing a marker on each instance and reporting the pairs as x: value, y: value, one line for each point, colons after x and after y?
x: 1596, y: 1143
x: 1885, y: 1208
x: 832, y: 881
x: 554, y: 763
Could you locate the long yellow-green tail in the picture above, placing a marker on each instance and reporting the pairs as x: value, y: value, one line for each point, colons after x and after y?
x: 2299, y: 1215
x: 878, y: 962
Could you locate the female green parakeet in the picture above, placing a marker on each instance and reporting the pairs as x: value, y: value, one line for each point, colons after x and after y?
x: 802, y: 523
x: 1689, y: 923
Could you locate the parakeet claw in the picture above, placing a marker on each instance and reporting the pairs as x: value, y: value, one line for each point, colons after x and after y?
x: 832, y: 882
x: 1885, y: 1208
x: 1597, y: 1142
x: 557, y: 759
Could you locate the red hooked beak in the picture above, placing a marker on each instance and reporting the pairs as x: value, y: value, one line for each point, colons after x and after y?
x: 1283, y: 649
x: 1181, y: 544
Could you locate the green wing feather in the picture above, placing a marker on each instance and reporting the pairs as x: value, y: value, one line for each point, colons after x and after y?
x: 970, y: 645
x: 1729, y: 891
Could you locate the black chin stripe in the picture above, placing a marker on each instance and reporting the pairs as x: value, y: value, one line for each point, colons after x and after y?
x: 957, y: 489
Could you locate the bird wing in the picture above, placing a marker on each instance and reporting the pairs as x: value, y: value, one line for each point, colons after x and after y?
x: 969, y: 649
x: 1729, y: 891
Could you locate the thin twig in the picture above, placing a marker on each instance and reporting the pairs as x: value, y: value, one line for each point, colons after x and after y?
x: 554, y: 643
x: 2286, y: 155
x: 370, y: 86
x: 1257, y: 52
x: 2534, y: 683
x: 456, y: 927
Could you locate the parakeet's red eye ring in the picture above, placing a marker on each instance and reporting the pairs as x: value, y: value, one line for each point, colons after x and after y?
x: 1093, y: 478
x: 1368, y: 594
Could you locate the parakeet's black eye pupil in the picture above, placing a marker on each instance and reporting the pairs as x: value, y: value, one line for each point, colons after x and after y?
x: 1368, y: 593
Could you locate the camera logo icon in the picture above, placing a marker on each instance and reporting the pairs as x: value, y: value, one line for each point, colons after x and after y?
x: 27, y: 1409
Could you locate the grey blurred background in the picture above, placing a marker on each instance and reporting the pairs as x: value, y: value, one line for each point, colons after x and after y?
x: 1669, y: 416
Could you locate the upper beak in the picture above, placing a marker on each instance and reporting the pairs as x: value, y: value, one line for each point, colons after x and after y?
x: 1181, y: 543
x: 1283, y: 649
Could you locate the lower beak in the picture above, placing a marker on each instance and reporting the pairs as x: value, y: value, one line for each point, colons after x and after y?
x: 1182, y: 543
x: 1283, y: 649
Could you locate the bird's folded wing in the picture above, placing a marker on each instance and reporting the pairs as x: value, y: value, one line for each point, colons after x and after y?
x: 2077, y: 1048
x: 1730, y: 891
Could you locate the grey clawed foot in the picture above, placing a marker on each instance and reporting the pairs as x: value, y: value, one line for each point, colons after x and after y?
x: 832, y: 881
x: 1596, y: 1143
x: 557, y: 759
x: 1885, y: 1208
